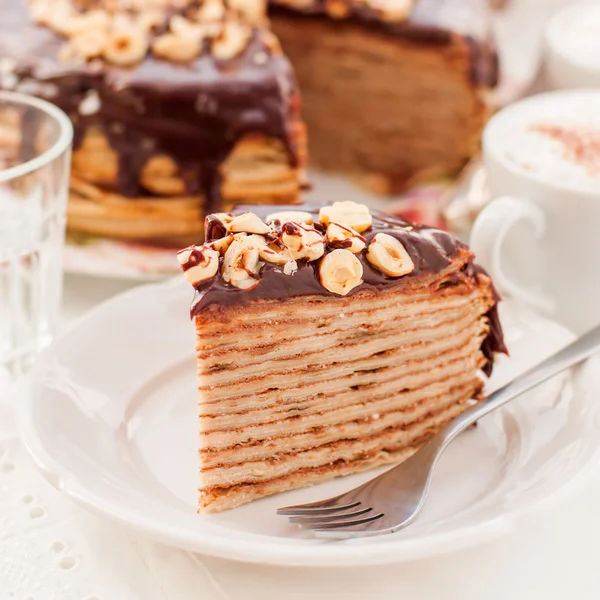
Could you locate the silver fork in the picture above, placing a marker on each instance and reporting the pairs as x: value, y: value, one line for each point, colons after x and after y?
x: 392, y: 500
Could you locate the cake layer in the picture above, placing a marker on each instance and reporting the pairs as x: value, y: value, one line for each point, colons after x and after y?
x: 357, y: 398
x: 335, y: 323
x: 361, y: 343
x: 313, y: 382
x: 378, y: 354
x: 410, y: 406
x: 399, y: 430
x: 331, y: 420
x: 223, y: 498
x: 309, y: 399
x: 373, y: 351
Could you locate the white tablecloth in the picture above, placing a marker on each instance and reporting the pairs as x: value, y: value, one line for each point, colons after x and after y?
x: 52, y: 550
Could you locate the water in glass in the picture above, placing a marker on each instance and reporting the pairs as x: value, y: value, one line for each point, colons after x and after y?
x: 34, y: 172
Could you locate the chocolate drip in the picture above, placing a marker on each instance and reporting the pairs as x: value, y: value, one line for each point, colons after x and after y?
x: 195, y: 258
x: 431, y: 250
x: 494, y: 342
x: 213, y: 228
x: 483, y: 58
x: 193, y: 113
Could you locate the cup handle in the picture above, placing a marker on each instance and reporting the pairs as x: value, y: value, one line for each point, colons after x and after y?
x: 488, y: 238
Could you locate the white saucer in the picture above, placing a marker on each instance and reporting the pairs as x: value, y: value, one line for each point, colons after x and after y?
x: 111, y: 423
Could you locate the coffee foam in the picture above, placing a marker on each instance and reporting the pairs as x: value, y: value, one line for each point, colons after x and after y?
x: 554, y: 137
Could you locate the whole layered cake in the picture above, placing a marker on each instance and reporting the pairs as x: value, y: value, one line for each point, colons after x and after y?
x: 329, y: 341
x: 180, y: 107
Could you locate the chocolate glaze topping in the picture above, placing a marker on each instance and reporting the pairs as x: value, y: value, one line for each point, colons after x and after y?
x: 431, y: 250
x: 192, y: 112
x: 431, y: 21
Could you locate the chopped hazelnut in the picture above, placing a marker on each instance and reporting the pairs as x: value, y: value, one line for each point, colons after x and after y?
x: 339, y: 236
x: 387, y: 254
x: 177, y: 48
x: 303, y: 241
x: 241, y: 263
x: 127, y: 45
x: 233, y: 41
x: 199, y: 263
x: 248, y: 223
x: 340, y: 272
x: 297, y: 216
x: 350, y: 214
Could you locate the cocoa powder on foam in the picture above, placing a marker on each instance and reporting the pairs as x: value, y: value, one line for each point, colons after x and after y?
x: 581, y: 145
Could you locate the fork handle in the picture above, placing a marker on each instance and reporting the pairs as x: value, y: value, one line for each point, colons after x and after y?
x: 574, y: 353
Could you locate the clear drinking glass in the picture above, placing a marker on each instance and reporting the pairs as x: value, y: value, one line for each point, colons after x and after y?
x: 35, y: 153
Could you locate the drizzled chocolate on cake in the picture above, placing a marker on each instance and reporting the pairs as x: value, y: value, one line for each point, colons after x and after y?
x: 185, y: 107
x: 329, y: 340
x: 178, y: 106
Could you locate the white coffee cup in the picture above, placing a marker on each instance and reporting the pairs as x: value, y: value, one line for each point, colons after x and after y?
x: 540, y: 236
x: 572, y: 46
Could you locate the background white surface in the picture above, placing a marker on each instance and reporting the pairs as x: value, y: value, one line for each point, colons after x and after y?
x: 52, y: 550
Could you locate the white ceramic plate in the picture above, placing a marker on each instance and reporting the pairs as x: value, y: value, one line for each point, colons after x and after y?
x: 111, y: 423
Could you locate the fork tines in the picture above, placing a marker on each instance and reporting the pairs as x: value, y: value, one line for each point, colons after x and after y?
x: 337, y: 520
